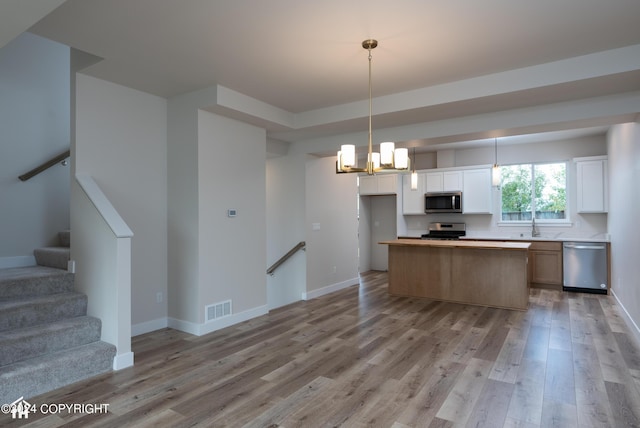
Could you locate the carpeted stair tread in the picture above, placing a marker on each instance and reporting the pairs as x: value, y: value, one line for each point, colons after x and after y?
x: 36, y: 310
x: 34, y: 280
x: 56, y: 257
x: 30, y: 342
x: 36, y: 376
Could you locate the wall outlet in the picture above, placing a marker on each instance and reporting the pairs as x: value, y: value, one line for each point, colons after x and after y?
x: 159, y: 297
x: 335, y: 269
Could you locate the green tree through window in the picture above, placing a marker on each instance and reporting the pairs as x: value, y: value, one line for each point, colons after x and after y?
x: 534, y: 188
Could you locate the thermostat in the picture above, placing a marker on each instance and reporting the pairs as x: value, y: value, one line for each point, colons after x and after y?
x: 231, y: 213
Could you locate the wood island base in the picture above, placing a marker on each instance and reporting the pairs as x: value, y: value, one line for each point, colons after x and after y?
x: 486, y: 273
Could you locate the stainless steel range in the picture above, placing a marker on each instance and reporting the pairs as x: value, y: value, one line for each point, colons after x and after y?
x: 445, y: 231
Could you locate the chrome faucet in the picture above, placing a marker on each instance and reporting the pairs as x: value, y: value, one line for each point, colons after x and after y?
x: 534, y: 230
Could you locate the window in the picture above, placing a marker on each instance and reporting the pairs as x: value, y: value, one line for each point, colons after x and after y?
x: 534, y: 188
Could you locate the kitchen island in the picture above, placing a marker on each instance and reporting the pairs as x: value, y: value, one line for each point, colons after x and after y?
x: 487, y: 273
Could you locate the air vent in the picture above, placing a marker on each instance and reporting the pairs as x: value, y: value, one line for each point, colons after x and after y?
x: 217, y: 310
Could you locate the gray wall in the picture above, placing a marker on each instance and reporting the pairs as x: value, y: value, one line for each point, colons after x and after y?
x: 34, y: 118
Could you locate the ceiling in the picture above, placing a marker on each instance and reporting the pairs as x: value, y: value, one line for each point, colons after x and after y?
x: 436, y: 61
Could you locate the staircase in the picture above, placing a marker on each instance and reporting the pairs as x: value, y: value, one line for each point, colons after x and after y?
x: 46, y: 338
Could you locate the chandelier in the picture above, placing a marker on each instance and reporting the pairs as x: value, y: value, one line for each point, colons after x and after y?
x: 388, y: 159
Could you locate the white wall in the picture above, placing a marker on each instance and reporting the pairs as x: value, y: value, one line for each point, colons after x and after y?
x: 34, y: 119
x: 624, y: 197
x: 285, y: 228
x: 331, y: 203
x: 121, y: 142
x: 232, y: 250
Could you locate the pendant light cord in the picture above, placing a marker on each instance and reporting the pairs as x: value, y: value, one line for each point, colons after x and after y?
x: 370, y: 155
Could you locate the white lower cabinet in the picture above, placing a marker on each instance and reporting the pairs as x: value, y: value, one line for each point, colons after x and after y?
x: 476, y: 191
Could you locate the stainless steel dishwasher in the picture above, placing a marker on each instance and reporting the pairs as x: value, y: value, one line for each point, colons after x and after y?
x: 585, y: 267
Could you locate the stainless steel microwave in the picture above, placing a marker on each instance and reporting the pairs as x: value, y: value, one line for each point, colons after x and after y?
x: 443, y: 202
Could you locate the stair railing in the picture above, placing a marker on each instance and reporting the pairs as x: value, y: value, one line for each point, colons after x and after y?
x: 46, y: 165
x: 299, y: 246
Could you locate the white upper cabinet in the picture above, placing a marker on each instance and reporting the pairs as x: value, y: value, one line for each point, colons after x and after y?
x: 433, y: 182
x: 368, y: 185
x: 592, y: 185
x: 413, y: 200
x: 383, y: 184
x: 446, y: 181
x: 476, y: 192
x: 452, y: 181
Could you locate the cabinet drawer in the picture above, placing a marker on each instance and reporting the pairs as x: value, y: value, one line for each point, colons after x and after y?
x: 545, y: 246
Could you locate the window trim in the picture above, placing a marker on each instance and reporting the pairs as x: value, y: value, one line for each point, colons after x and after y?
x: 563, y: 222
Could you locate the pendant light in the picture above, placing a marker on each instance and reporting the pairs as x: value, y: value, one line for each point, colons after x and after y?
x: 390, y: 158
x: 414, y: 174
x: 495, y: 171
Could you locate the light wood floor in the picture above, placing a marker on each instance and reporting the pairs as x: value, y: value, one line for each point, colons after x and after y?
x: 359, y: 357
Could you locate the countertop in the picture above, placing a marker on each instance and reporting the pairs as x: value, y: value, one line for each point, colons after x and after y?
x: 544, y: 237
x: 601, y: 237
x: 488, y: 244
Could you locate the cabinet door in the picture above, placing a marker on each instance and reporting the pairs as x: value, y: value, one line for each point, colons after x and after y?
x: 476, y: 191
x: 434, y: 182
x: 452, y: 181
x: 387, y: 184
x: 368, y: 185
x: 591, y: 188
x: 546, y: 267
x: 412, y: 200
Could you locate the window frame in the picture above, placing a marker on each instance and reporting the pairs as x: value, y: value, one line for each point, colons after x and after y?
x: 547, y: 222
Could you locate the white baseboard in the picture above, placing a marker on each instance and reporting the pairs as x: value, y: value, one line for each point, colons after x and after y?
x: 18, y: 261
x: 329, y: 289
x: 627, y: 318
x: 186, y: 326
x: 149, y: 326
x: 123, y: 361
x: 220, y: 323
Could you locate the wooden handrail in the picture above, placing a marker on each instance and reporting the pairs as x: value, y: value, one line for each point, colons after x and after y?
x: 284, y: 258
x: 48, y: 164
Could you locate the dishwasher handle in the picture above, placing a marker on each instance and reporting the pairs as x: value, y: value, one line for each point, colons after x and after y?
x: 585, y: 247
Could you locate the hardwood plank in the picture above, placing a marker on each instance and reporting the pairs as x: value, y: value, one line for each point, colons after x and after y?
x: 507, y: 363
x: 464, y: 395
x: 275, y: 414
x: 492, y: 344
x: 423, y: 407
x: 630, y: 353
x: 537, y: 346
x: 624, y: 404
x: 528, y: 394
x: 559, y: 381
x: 560, y: 415
x: 491, y: 409
x: 591, y: 394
